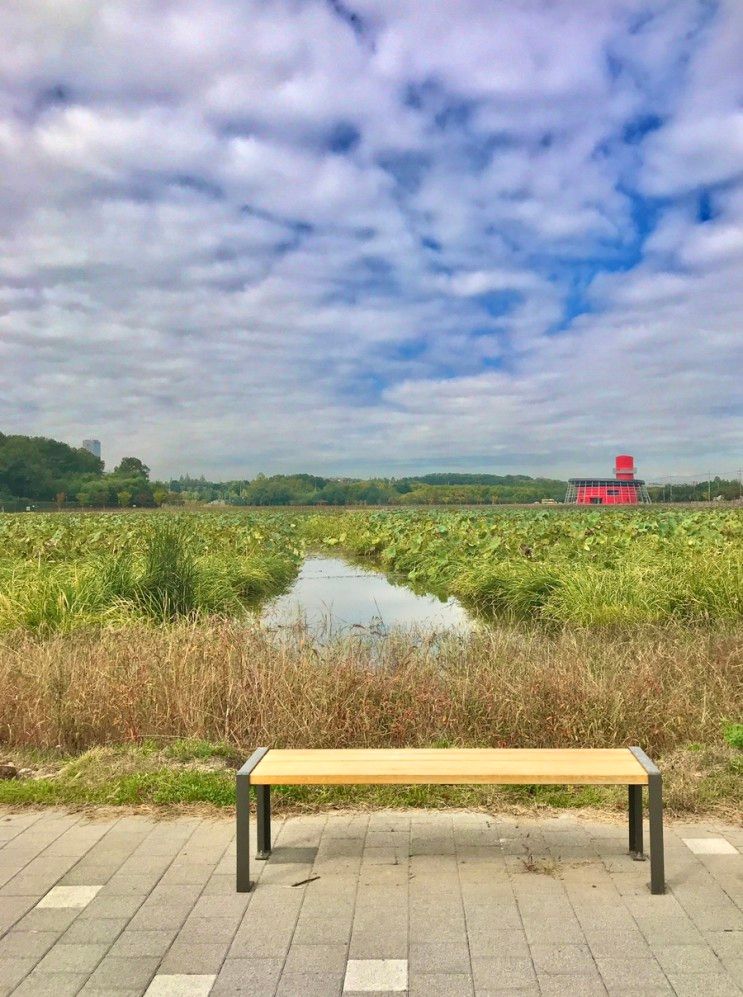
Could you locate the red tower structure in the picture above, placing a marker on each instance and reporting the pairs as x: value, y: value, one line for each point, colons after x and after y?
x: 623, y: 489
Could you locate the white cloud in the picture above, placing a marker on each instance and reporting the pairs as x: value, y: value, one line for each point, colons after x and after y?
x: 252, y: 237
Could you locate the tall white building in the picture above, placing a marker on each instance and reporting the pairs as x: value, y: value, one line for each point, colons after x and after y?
x: 93, y: 446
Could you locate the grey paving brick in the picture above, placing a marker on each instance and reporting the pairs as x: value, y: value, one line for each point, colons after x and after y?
x: 563, y: 959
x: 391, y: 916
x: 527, y: 990
x: 735, y: 968
x: 48, y: 919
x: 27, y: 944
x: 201, y: 930
x: 442, y: 920
x: 725, y: 917
x: 325, y: 929
x: 13, y: 969
x: 263, y: 940
x: 72, y: 958
x: 605, y: 939
x: 694, y: 985
x: 220, y: 885
x: 439, y: 958
x: 51, y: 984
x: 154, y: 916
x: 194, y: 958
x: 184, y: 873
x: 685, y: 959
x: 104, y: 907
x: 316, y: 959
x: 338, y: 886
x: 118, y: 973
x: 440, y: 984
x: 375, y: 895
x: 233, y: 905
x: 670, y: 931
x: 493, y: 916
x: 95, y: 930
x: 310, y: 985
x: 379, y: 945
x: 502, y: 973
x: 94, y: 991
x: 630, y: 972
x: 566, y: 985
x: 122, y: 885
x: 84, y: 875
x: 458, y: 897
x: 132, y: 943
x: 251, y: 976
x: 550, y: 924
x: 725, y: 943
x: 485, y: 941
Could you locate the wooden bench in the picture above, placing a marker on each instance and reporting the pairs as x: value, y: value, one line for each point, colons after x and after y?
x: 406, y: 766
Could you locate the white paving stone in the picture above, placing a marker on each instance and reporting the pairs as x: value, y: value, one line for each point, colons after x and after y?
x: 710, y: 846
x: 180, y: 985
x: 69, y: 896
x: 374, y: 975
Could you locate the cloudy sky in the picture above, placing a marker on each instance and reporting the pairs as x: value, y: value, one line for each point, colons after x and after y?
x: 358, y: 236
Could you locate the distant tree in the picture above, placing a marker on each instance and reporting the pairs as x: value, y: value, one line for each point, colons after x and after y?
x: 132, y: 466
x: 94, y: 493
x: 38, y: 468
x: 160, y: 495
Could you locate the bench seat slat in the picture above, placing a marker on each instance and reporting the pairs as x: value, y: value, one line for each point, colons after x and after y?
x: 547, y: 766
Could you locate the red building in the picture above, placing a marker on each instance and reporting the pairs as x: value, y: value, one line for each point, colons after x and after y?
x: 623, y: 489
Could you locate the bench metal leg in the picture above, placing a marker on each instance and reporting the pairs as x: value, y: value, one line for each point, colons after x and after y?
x: 242, y: 821
x: 263, y: 813
x: 635, y: 822
x: 243, y: 833
x: 655, y: 807
x: 657, y: 861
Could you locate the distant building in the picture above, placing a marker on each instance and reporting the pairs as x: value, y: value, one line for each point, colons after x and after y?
x: 93, y: 446
x: 623, y: 489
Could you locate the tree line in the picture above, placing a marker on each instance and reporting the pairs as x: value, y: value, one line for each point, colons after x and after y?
x: 39, y: 470
x: 34, y: 470
x: 311, y: 490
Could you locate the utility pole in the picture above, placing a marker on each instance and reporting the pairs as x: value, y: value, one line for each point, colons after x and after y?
x: 709, y: 486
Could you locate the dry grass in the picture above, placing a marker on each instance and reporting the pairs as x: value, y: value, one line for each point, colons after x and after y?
x: 660, y: 687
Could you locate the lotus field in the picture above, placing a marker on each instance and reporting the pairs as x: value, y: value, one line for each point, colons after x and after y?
x: 62, y: 572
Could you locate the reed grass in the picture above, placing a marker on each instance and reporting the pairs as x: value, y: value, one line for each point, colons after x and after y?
x: 661, y: 687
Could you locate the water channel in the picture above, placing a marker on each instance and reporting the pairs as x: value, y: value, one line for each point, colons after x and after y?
x: 332, y: 598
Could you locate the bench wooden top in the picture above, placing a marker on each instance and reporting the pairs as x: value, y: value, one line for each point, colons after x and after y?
x: 555, y: 766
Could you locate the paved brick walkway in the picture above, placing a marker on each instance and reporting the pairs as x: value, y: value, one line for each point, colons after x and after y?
x: 419, y: 902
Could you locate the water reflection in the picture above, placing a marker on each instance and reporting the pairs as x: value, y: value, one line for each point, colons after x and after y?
x: 332, y: 598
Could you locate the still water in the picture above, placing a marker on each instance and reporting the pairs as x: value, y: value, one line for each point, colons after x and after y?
x: 332, y: 597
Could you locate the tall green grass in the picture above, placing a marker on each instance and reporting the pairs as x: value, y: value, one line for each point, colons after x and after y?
x: 167, y: 578
x: 638, y: 590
